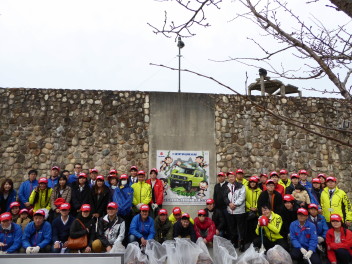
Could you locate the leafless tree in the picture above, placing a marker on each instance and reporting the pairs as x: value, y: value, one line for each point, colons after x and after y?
x: 322, y: 51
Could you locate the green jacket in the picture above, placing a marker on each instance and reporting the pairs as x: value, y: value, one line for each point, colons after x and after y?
x: 163, y: 231
x: 339, y: 200
x: 142, y: 193
x: 40, y: 198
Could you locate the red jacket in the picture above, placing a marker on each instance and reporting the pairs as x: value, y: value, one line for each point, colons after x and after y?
x: 346, y: 242
x: 278, y: 187
x: 158, y: 191
x: 208, y: 225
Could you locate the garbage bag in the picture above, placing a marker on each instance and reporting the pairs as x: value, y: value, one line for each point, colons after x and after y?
x: 187, y: 251
x: 278, y: 255
x: 133, y: 254
x: 224, y: 251
x: 170, y: 246
x: 117, y: 248
x: 251, y: 256
x: 156, y: 252
x: 204, y: 257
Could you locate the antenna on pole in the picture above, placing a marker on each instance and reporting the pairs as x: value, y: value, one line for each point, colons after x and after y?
x: 180, y: 45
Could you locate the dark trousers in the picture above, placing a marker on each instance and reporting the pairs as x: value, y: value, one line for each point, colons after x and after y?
x: 296, y: 254
x: 236, y: 227
x: 251, y: 225
x: 343, y: 256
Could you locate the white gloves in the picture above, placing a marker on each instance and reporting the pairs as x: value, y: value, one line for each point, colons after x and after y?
x: 3, y: 252
x: 304, y: 252
x: 320, y: 240
x: 31, y: 250
x: 154, y: 206
x: 139, y: 206
x: 308, y: 255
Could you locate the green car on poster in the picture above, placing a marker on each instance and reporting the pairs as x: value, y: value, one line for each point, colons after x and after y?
x: 187, y: 178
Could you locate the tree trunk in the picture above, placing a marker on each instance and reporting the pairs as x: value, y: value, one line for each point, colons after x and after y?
x: 344, y: 5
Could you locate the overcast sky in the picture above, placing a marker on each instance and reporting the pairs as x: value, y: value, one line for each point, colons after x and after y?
x: 107, y: 44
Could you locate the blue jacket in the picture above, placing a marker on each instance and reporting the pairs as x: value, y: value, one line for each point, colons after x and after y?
x: 32, y: 237
x: 140, y: 229
x: 25, y: 191
x: 123, y: 197
x: 71, y: 179
x: 305, y: 237
x: 52, y: 183
x: 11, y: 198
x: 308, y: 186
x: 321, y: 226
x: 12, y: 238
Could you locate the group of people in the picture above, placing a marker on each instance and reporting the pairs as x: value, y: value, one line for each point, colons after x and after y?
x: 304, y: 217
x: 52, y: 214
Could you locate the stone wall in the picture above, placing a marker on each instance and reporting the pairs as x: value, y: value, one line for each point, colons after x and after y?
x: 100, y: 129
x: 248, y: 137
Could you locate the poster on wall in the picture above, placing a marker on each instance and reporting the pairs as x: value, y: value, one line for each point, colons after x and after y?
x: 185, y: 175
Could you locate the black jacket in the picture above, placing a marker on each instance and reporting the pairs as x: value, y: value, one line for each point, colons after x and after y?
x: 219, y: 196
x: 115, y: 227
x: 78, y: 197
x: 99, y: 203
x: 77, y: 230
x: 180, y: 231
x: 263, y: 199
x: 218, y: 218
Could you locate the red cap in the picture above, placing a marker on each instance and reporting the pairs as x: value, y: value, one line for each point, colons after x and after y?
x: 269, y: 181
x: 201, y: 212
x: 155, y: 170
x: 30, y: 212
x: 302, y: 211
x: 295, y: 175
x: 65, y: 206
x: 239, y: 171
x: 335, y: 217
x: 123, y: 177
x: 231, y: 173
x: 312, y: 205
x: 43, y: 180
x: 316, y: 180
x: 283, y: 171
x: 176, y: 210
x: 82, y: 174
x: 321, y: 175
x: 264, y: 175
x: 134, y: 168
x: 112, y: 205
x: 59, y: 201
x: 210, y: 201
x: 85, y: 208
x: 24, y: 210
x: 144, y: 207
x: 141, y: 172
x: 55, y: 168
x: 289, y: 198
x: 221, y: 174
x: 162, y: 212
x: 253, y: 179
x: 112, y: 176
x: 113, y: 171
x: 303, y: 172
x: 273, y: 173
x: 39, y: 212
x: 100, y: 177
x: 13, y: 204
x: 185, y: 215
x: 5, y: 216
x: 94, y: 170
x: 330, y: 178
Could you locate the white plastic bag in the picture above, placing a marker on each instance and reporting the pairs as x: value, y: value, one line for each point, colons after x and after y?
x: 170, y: 246
x: 278, y: 255
x: 187, y: 251
x: 117, y: 248
x: 251, y: 256
x: 204, y: 257
x: 133, y: 254
x: 156, y: 252
x: 224, y: 251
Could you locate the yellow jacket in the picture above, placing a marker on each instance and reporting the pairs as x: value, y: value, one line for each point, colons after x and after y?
x: 43, y: 198
x: 173, y: 219
x: 142, y: 193
x: 244, y: 181
x: 252, y: 197
x: 272, y: 231
x: 338, y: 201
x: 288, y: 183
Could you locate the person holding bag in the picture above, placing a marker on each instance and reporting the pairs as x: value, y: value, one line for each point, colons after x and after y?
x: 82, y: 231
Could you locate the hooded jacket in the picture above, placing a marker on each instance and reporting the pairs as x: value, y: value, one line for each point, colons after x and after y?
x: 12, y: 238
x: 33, y: 237
x: 123, y: 196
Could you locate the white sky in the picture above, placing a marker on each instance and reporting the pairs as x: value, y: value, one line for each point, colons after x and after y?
x: 107, y: 44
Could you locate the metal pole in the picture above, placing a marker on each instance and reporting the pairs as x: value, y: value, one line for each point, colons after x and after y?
x: 179, y: 69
